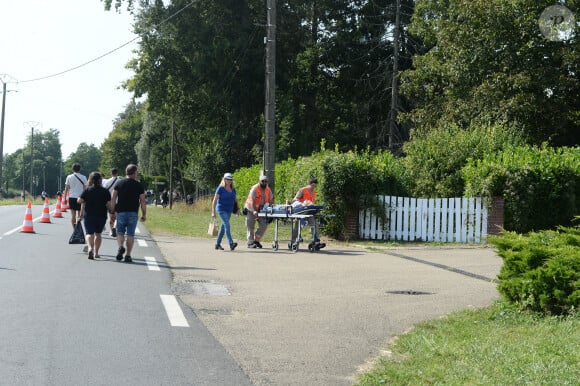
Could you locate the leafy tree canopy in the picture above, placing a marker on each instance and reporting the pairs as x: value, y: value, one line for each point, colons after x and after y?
x: 488, y: 63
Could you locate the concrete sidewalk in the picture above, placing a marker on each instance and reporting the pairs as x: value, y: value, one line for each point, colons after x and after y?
x: 315, y: 318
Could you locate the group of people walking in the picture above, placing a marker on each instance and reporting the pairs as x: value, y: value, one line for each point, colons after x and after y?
x: 94, y: 200
x: 225, y: 202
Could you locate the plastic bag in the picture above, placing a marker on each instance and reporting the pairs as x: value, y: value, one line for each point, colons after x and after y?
x: 212, y: 230
x: 78, y: 235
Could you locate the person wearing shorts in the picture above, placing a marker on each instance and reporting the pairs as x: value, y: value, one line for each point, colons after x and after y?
x: 128, y: 195
x: 95, y: 202
x: 74, y: 186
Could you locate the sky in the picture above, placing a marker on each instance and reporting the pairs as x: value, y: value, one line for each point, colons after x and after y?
x: 40, y: 38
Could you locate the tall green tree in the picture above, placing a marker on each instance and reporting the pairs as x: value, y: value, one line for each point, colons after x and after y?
x: 89, y: 156
x: 118, y: 149
x: 201, y: 65
x: 488, y: 63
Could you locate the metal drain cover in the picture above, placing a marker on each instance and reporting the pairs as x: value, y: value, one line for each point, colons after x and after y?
x: 408, y: 292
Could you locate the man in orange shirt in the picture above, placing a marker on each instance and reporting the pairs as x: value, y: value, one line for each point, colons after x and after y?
x: 260, y: 194
x: 307, y: 196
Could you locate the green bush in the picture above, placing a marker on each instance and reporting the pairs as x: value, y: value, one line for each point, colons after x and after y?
x: 354, y: 179
x: 346, y: 181
x: 541, y: 186
x: 435, y: 159
x: 541, y: 271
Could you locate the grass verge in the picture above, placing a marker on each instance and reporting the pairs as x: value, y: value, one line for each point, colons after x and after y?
x: 497, y: 345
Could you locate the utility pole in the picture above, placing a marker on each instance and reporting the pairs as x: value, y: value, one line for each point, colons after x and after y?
x: 2, y: 133
x: 270, y: 102
x: 171, y: 169
x: 3, y: 79
x: 394, y: 136
x: 31, y: 125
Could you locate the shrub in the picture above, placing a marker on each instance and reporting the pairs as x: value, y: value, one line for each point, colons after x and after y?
x: 346, y: 181
x: 541, y: 271
x: 541, y: 186
x: 354, y: 179
x: 435, y: 159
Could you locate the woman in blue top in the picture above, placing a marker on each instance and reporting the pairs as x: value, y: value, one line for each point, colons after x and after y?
x: 223, y: 204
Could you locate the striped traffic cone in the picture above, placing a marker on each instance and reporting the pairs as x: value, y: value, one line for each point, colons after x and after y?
x: 45, y: 212
x: 64, y: 205
x: 27, y: 226
x: 57, y: 212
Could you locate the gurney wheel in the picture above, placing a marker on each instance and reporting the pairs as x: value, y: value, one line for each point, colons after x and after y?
x: 275, y: 245
x: 294, y: 247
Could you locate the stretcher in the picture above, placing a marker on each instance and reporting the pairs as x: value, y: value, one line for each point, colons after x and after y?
x: 293, y: 215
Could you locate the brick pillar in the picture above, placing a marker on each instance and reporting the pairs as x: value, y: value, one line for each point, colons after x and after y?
x: 351, y: 225
x: 495, y: 216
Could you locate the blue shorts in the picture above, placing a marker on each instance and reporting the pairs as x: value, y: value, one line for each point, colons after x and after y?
x: 94, y: 224
x: 127, y: 222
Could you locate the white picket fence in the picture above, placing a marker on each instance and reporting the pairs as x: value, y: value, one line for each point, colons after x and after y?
x: 461, y: 220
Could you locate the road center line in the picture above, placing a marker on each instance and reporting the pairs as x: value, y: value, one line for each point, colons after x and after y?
x: 142, y: 243
x: 152, y: 263
x: 174, y: 313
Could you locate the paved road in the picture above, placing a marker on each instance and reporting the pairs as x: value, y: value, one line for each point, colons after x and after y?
x: 67, y: 320
x: 317, y: 319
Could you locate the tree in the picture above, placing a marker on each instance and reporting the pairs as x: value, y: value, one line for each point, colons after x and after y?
x: 201, y: 66
x: 89, y: 156
x: 118, y: 149
x: 489, y: 64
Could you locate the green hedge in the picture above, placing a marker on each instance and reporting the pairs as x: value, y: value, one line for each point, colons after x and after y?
x: 346, y: 181
x: 541, y: 271
x: 541, y: 186
x: 434, y: 159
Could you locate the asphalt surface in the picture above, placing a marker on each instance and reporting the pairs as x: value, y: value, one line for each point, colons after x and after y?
x: 321, y: 318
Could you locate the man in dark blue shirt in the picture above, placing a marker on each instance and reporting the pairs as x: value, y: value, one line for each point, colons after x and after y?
x: 128, y: 195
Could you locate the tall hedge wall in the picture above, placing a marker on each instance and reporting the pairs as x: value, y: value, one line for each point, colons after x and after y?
x: 541, y: 186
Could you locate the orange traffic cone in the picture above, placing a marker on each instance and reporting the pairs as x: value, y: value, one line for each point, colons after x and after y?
x: 27, y: 226
x: 64, y: 205
x: 57, y: 212
x: 45, y: 212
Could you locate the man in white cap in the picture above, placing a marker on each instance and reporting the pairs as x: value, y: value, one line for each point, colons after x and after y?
x: 260, y: 194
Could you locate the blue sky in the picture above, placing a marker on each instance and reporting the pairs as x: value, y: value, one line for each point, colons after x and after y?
x: 40, y: 38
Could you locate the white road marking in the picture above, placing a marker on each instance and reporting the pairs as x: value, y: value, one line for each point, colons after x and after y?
x: 174, y: 313
x: 12, y: 231
x: 152, y: 263
x: 137, y: 230
x: 142, y: 243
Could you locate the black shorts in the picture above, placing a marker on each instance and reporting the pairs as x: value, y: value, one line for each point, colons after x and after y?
x: 73, y: 204
x: 94, y: 224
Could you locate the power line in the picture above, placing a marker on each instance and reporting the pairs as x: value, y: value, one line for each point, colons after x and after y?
x: 109, y: 52
x: 80, y: 65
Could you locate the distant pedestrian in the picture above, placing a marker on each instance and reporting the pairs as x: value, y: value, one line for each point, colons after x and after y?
x: 128, y: 195
x: 95, y: 202
x: 164, y: 198
x: 110, y: 184
x: 74, y: 186
x: 260, y: 195
x: 223, y: 204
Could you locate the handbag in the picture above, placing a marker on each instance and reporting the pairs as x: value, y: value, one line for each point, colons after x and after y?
x: 212, y: 229
x: 78, y: 235
x: 236, y: 207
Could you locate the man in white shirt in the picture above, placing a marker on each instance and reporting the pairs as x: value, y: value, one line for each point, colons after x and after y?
x: 110, y: 184
x: 74, y: 186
